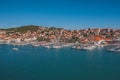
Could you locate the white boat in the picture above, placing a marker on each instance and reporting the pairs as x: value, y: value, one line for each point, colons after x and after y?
x: 36, y: 45
x: 67, y: 45
x: 56, y: 46
x: 73, y: 46
x: 15, y: 49
x: 89, y: 47
x: 47, y: 46
x: 100, y: 46
x: 78, y: 47
x: 115, y: 49
x: 111, y: 49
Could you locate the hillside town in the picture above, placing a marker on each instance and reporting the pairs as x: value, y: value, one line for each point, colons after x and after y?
x: 37, y: 35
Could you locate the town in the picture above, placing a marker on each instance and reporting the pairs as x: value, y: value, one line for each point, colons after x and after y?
x: 52, y: 37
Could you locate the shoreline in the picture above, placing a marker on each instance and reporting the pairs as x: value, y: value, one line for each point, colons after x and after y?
x: 82, y: 47
x: 77, y: 46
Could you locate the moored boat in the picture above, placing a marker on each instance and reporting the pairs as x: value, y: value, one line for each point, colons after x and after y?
x: 15, y: 49
x: 114, y: 49
x: 89, y: 47
x: 56, y: 46
x: 36, y: 45
x: 47, y: 46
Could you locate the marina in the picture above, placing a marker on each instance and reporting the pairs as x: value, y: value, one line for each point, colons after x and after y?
x: 114, y: 48
x: 64, y: 63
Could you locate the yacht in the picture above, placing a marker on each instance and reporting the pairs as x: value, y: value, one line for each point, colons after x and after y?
x: 36, y: 45
x: 66, y: 45
x: 78, y: 47
x: 56, y: 46
x: 73, y: 46
x: 47, y: 46
x: 115, y: 49
x: 89, y: 47
x: 15, y: 49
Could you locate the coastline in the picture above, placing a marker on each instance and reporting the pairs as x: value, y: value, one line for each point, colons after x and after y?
x: 86, y: 39
x: 77, y: 46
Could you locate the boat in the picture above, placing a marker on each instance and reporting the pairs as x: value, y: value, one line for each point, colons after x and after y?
x: 56, y: 46
x: 15, y: 49
x: 47, y: 46
x: 73, y: 47
x: 78, y: 47
x: 115, y: 49
x: 101, y: 46
x: 89, y: 47
x: 36, y: 45
x: 66, y: 45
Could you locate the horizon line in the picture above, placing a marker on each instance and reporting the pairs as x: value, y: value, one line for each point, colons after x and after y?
x: 85, y: 27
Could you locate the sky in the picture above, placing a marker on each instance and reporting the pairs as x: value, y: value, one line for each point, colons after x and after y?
x: 69, y: 14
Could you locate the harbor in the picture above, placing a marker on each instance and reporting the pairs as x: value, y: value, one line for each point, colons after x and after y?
x: 45, y: 63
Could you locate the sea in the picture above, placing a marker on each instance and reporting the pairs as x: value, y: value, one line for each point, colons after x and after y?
x: 39, y: 63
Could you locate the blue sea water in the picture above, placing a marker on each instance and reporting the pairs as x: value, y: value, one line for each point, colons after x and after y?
x: 38, y: 63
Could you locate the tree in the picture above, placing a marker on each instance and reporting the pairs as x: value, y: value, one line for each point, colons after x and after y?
x: 40, y: 38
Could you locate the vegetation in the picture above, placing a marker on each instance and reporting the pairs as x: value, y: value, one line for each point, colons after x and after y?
x: 40, y: 38
x: 23, y: 29
x: 74, y: 39
x: 2, y: 29
x: 43, y: 39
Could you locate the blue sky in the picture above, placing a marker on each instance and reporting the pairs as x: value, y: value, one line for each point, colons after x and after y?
x: 70, y: 14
